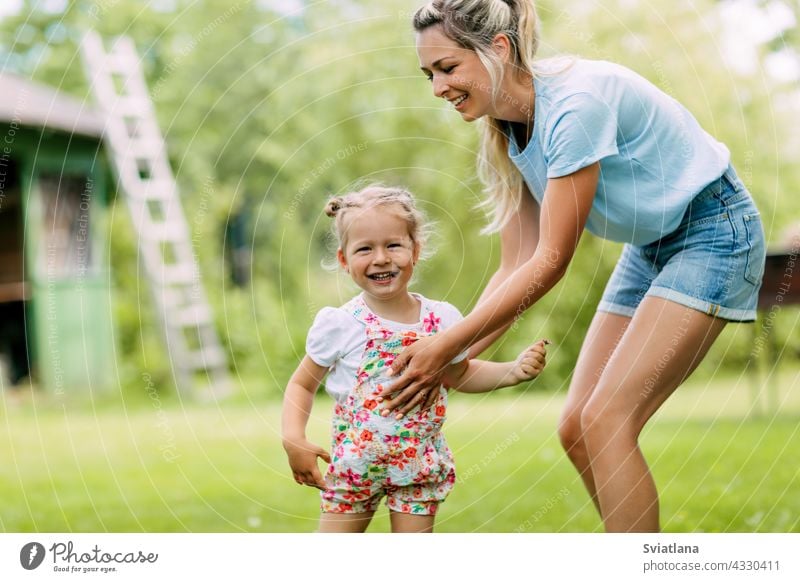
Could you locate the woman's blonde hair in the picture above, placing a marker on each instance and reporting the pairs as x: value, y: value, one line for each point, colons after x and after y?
x: 341, y: 207
x: 473, y: 25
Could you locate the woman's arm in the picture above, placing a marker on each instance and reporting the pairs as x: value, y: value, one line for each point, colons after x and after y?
x: 567, y: 203
x: 297, y: 403
x: 518, y: 241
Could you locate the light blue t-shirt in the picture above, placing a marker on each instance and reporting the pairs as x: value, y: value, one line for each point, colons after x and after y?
x: 654, y: 156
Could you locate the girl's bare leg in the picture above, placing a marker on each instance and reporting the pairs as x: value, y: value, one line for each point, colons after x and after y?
x: 663, y: 344
x: 344, y: 522
x: 407, y: 523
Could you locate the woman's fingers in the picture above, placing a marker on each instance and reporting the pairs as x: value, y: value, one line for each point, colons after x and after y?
x: 430, y: 400
x: 418, y: 398
x: 401, y: 361
x: 403, y: 389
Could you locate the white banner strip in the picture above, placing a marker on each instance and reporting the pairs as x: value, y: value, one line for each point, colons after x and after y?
x: 136, y: 557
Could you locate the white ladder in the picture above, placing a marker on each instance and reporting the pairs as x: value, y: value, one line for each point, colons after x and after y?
x: 144, y: 176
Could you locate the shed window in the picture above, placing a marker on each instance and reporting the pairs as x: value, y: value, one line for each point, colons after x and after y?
x: 66, y: 203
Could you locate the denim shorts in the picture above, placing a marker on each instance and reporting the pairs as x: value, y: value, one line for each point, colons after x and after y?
x: 713, y: 262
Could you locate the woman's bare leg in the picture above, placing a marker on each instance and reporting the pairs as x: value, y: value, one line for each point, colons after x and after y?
x: 663, y: 344
x: 602, y: 338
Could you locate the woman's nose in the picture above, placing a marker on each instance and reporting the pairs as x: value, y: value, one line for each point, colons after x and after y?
x: 440, y: 86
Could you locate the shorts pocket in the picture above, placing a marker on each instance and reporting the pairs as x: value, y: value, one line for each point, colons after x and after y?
x: 756, y: 252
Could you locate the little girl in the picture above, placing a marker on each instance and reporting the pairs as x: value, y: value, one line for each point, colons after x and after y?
x: 405, y: 458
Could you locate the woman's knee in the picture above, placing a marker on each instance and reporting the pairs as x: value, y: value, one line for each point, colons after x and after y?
x: 569, y: 430
x: 603, y: 423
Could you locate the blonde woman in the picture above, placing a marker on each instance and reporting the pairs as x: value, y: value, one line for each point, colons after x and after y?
x: 568, y: 145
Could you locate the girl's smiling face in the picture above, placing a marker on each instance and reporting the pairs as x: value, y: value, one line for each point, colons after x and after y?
x: 379, y: 253
x: 457, y: 74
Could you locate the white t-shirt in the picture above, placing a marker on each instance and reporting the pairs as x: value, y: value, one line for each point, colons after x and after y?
x: 337, y: 340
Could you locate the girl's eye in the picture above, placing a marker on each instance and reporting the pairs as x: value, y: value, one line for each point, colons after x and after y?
x: 362, y: 250
x: 395, y: 245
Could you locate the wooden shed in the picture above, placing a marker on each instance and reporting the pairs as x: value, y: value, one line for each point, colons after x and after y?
x: 55, y: 292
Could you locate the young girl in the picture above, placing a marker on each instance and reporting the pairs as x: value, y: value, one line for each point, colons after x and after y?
x: 574, y: 145
x: 381, y: 235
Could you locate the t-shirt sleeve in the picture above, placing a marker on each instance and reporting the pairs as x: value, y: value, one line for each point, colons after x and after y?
x: 323, y: 343
x: 579, y: 132
x: 450, y: 316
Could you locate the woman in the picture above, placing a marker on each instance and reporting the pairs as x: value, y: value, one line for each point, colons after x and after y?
x: 569, y: 145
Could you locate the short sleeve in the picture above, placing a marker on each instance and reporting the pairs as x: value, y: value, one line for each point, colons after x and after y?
x: 579, y: 132
x: 323, y: 343
x: 450, y: 315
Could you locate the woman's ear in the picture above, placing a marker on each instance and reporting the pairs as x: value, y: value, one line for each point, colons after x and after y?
x: 342, y: 260
x: 501, y: 45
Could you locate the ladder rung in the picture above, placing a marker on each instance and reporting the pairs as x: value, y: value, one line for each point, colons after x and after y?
x: 210, y: 357
x: 191, y: 316
x: 141, y: 148
x: 119, y: 63
x: 156, y: 189
x: 172, y: 274
x: 165, y: 232
x: 130, y: 106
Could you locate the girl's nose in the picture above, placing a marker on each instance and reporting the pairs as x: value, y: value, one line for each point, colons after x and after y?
x: 380, y: 257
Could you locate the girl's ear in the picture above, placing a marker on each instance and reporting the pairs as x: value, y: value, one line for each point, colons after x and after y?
x: 502, y: 46
x: 415, y: 254
x: 342, y: 260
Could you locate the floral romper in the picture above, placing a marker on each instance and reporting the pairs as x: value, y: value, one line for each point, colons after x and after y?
x: 407, y: 460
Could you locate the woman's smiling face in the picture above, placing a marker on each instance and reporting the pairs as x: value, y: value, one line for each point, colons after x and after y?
x: 457, y: 74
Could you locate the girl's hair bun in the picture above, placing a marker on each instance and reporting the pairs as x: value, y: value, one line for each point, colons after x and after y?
x: 333, y: 206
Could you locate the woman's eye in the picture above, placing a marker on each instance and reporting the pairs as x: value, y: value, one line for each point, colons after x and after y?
x: 448, y: 70
x: 429, y: 76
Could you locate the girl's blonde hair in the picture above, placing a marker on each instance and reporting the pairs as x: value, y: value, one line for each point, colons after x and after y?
x: 341, y: 207
x: 473, y: 25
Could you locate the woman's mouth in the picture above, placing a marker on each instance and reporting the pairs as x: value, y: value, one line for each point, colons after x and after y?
x: 459, y: 101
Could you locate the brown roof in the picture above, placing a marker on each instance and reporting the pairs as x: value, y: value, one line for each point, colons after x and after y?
x: 35, y: 105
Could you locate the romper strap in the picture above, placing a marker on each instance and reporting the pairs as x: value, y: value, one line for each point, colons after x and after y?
x: 359, y: 309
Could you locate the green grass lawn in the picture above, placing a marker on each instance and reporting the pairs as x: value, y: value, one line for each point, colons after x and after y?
x: 67, y: 467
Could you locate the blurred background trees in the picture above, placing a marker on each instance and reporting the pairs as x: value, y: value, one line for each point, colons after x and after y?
x: 269, y: 107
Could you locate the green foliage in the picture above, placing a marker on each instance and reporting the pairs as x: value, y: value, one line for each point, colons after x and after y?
x: 273, y: 112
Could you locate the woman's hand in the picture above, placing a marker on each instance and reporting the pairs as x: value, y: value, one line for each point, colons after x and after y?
x: 423, y: 365
x: 303, y: 456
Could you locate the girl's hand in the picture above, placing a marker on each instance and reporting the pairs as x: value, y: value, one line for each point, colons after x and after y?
x: 530, y: 362
x: 303, y: 461
x: 423, y: 365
